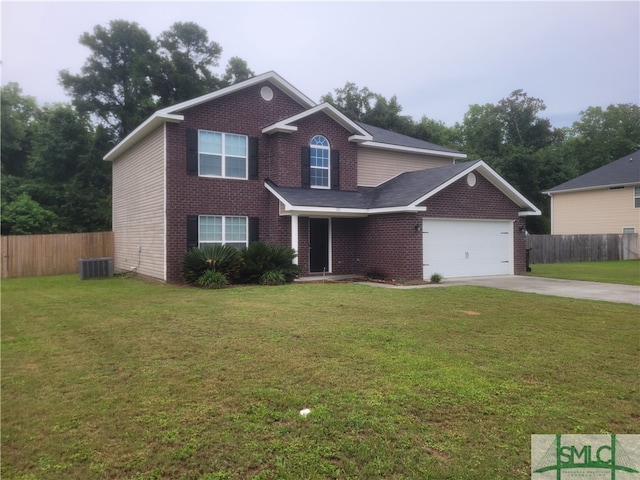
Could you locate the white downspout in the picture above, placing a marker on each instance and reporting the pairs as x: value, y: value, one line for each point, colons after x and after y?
x: 294, y: 236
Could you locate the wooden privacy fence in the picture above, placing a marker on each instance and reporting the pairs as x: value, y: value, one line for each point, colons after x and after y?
x: 582, y: 248
x: 56, y: 254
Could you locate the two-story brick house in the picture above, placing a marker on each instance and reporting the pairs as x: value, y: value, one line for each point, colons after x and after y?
x: 261, y: 161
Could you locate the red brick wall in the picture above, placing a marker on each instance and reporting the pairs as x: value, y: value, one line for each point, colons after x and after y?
x: 483, y: 200
x: 343, y: 242
x: 245, y: 112
x: 387, y: 243
x: 480, y: 201
x: 287, y: 146
x: 391, y: 246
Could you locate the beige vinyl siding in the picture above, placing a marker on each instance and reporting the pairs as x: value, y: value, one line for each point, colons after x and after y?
x: 376, y: 166
x: 138, y: 207
x: 594, y: 211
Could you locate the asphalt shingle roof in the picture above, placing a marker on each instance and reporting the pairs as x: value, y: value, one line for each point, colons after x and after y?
x: 407, y: 187
x: 400, y: 191
x: 386, y: 136
x: 624, y: 171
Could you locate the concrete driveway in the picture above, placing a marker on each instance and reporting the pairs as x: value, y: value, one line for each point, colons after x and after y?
x: 607, y: 292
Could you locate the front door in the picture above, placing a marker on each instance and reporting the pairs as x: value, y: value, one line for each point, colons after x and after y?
x: 318, y: 245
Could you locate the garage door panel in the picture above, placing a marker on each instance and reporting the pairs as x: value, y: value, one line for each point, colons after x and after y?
x: 460, y: 248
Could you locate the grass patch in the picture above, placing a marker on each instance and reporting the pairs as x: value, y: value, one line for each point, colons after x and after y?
x: 625, y: 271
x: 122, y: 379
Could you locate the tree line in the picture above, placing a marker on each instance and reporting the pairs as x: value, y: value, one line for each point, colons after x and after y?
x: 54, y: 179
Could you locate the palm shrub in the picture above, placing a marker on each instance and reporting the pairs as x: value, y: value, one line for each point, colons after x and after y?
x: 218, y: 258
x: 212, y: 279
x: 262, y: 261
x: 272, y: 277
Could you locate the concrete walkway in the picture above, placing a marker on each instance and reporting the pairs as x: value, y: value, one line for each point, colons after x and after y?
x: 606, y: 292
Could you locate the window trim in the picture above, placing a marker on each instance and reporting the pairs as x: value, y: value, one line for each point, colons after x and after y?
x: 636, y: 197
x: 224, y: 240
x: 628, y: 228
x: 224, y: 156
x: 327, y: 168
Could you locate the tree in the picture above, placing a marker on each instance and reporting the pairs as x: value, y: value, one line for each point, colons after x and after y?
x: 482, y: 132
x: 355, y: 103
x: 362, y: 105
x: 237, y: 71
x: 602, y: 136
x: 510, y: 137
x: 437, y: 132
x: 521, y: 124
x: 67, y: 173
x: 18, y: 112
x: 386, y: 114
x: 63, y: 175
x: 187, y: 61
x: 24, y: 216
x: 61, y: 139
x: 116, y: 84
x: 129, y: 75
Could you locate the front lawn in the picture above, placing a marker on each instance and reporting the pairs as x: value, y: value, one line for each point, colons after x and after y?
x: 625, y: 271
x: 121, y: 379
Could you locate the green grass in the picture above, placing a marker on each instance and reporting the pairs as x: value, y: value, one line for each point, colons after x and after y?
x: 625, y: 272
x: 122, y: 379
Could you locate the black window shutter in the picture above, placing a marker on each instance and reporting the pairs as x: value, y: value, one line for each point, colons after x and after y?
x: 192, y: 151
x: 335, y: 169
x: 253, y: 158
x: 306, y: 166
x: 192, y: 231
x: 254, y: 229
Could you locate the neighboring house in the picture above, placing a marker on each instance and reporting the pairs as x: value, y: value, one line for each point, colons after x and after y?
x: 261, y: 161
x: 604, y: 200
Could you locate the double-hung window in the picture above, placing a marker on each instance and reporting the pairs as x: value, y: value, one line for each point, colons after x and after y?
x: 319, y: 162
x: 636, y: 197
x: 221, y: 230
x: 222, y: 154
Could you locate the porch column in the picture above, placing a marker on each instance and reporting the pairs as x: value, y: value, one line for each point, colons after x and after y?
x: 294, y: 236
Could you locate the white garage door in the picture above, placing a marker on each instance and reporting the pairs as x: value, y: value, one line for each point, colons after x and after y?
x: 467, y: 248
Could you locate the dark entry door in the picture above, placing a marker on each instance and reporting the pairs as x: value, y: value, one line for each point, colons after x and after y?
x: 318, y: 245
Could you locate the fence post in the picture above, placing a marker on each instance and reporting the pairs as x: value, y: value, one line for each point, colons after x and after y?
x: 5, y: 257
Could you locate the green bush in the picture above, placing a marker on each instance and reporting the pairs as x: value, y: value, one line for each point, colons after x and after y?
x: 436, y: 278
x: 272, y: 277
x: 260, y: 259
x: 212, y: 279
x: 218, y: 258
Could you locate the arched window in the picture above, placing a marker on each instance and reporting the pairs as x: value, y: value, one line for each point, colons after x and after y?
x: 319, y: 162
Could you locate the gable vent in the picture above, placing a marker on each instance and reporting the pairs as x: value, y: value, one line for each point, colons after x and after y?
x: 95, y: 268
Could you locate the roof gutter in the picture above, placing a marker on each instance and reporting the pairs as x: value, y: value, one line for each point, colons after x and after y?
x: 496, y: 180
x: 593, y: 187
x: 304, y: 210
x: 144, y: 129
x: 422, y: 151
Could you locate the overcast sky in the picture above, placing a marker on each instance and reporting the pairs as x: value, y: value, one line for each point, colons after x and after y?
x: 436, y: 57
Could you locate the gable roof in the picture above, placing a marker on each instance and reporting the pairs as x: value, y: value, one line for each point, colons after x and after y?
x: 624, y: 171
x: 403, y: 193
x: 288, y: 124
x: 366, y: 135
x: 382, y: 138
x: 172, y: 113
